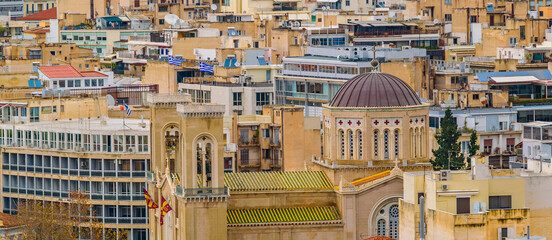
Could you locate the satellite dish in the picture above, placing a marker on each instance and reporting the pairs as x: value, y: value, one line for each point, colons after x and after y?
x: 111, y: 7
x: 484, y: 100
x: 171, y: 19
x: 375, y: 12
x: 214, y: 7
x: 436, y: 21
x: 323, y: 8
x: 110, y: 100
x: 238, y: 64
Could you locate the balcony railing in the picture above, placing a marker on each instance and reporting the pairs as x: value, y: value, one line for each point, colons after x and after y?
x: 205, y: 192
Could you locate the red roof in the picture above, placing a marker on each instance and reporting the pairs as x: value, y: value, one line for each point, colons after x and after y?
x: 42, y: 15
x: 93, y: 74
x: 67, y: 71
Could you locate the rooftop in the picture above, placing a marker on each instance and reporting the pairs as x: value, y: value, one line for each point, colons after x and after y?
x: 282, y: 215
x: 67, y: 71
x: 273, y: 181
x: 92, y: 125
x: 42, y: 15
x: 538, y: 74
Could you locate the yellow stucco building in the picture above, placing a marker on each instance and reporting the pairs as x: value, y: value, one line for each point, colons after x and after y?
x: 476, y: 204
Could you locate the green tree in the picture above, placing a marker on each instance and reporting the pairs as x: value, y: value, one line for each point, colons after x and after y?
x: 72, y: 219
x: 449, y: 147
x: 473, y: 147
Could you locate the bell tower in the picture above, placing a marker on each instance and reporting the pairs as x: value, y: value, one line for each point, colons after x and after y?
x: 187, y: 168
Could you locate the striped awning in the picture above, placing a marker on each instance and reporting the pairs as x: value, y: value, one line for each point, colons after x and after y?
x: 269, y: 181
x: 371, y: 178
x: 299, y: 214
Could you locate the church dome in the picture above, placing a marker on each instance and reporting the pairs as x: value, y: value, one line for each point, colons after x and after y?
x: 375, y: 90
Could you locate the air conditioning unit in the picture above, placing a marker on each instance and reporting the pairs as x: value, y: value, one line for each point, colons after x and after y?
x: 444, y: 175
x: 254, y: 128
x: 406, y: 48
x: 445, y: 187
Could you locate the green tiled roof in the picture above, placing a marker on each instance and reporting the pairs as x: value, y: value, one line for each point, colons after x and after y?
x: 269, y: 181
x: 299, y: 214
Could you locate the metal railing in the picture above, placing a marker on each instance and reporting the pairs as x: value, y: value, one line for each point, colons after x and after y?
x: 207, y: 192
x: 130, y: 94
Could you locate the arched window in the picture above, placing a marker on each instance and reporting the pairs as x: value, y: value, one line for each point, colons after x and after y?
x: 204, y: 160
x: 421, y: 142
x: 359, y: 147
x: 415, y: 143
x: 394, y: 221
x: 386, y: 144
x: 376, y: 140
x: 351, y: 144
x: 396, y: 144
x: 342, y: 139
x: 382, y: 228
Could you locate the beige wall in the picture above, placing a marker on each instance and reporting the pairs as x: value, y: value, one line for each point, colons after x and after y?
x: 163, y: 74
x: 185, y: 46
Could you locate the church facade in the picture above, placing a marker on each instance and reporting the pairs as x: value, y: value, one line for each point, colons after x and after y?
x: 374, y: 129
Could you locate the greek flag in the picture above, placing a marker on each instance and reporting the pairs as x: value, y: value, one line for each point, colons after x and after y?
x: 174, y: 61
x: 127, y: 110
x: 204, y: 67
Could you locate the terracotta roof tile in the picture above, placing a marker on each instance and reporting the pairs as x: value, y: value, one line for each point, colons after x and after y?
x: 93, y: 74
x: 42, y: 15
x: 65, y: 71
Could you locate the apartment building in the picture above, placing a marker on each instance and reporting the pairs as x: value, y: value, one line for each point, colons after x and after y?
x: 279, y: 139
x: 105, y: 158
x: 313, y: 79
x: 477, y: 204
x: 101, y: 41
x: 245, y: 99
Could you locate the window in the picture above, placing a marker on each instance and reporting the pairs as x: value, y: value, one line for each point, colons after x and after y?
x: 237, y: 98
x: 513, y: 42
x: 448, y: 17
x: 503, y: 125
x: 143, y: 143
x: 396, y: 144
x: 462, y: 205
x: 342, y: 138
x: 376, y: 133
x: 500, y: 202
x: 359, y: 145
x: 266, y: 133
x: 244, y: 135
x: 475, y: 97
x: 510, y: 143
x: 351, y: 144
x: 473, y: 19
x: 386, y: 144
x: 130, y: 142
x: 347, y: 3
x: 448, y: 2
x: 487, y: 145
x: 118, y: 143
x: 522, y: 32
x: 244, y: 156
x: 263, y: 98
x: 35, y: 114
x: 381, y: 228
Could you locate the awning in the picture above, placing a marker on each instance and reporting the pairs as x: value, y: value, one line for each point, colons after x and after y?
x: 513, y: 80
x: 124, y: 19
x: 112, y: 19
x: 488, y: 143
x: 510, y: 141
